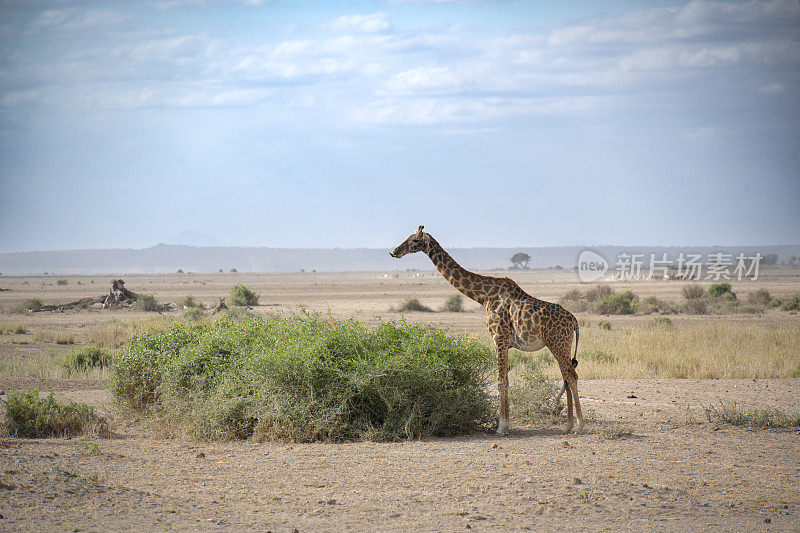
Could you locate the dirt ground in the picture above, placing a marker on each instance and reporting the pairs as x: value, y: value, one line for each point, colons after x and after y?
x: 650, y: 458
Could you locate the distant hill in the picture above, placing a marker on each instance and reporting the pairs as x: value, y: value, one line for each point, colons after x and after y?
x: 165, y: 258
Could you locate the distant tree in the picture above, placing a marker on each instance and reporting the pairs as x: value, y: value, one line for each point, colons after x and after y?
x: 220, y: 270
x: 793, y: 260
x: 180, y: 271
x: 234, y: 270
x: 520, y: 260
x: 769, y: 259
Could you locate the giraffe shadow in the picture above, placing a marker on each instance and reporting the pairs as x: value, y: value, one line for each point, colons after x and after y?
x: 526, y: 433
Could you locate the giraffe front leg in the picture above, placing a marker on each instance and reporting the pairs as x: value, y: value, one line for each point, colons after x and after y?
x: 501, y: 344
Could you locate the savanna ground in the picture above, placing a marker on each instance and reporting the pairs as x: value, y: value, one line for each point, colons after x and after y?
x: 656, y: 454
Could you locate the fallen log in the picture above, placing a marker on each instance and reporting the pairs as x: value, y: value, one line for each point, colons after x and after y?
x: 118, y: 297
x: 83, y: 303
x: 219, y: 307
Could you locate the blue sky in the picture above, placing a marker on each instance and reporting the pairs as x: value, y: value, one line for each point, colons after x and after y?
x: 348, y: 124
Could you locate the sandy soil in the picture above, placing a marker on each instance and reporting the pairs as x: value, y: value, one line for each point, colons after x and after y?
x: 674, y: 471
x: 650, y: 458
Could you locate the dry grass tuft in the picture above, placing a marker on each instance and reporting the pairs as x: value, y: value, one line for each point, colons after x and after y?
x: 769, y: 417
x: 413, y: 304
x: 54, y: 335
x: 702, y: 350
x: 9, y: 328
x: 115, y: 333
x: 615, y: 432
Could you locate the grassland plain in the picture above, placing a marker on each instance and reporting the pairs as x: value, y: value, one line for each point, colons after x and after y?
x: 658, y: 454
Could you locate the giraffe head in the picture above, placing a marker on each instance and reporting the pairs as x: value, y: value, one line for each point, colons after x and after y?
x: 419, y: 241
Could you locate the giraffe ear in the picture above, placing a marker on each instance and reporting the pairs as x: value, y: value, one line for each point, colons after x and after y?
x: 419, y: 230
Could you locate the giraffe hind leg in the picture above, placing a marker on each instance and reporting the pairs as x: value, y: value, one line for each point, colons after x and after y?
x: 561, y: 393
x: 562, y: 355
x: 573, y: 389
x: 570, y: 420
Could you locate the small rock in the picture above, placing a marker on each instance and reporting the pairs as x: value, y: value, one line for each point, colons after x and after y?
x: 331, y: 502
x: 768, y: 520
x: 495, y: 445
x: 632, y: 396
x: 577, y: 481
x: 566, y: 444
x: 201, y: 455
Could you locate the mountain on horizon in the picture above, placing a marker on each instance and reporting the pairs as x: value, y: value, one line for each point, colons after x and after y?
x: 194, y: 238
x: 171, y: 257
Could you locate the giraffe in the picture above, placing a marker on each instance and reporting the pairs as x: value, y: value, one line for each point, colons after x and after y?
x: 515, y: 319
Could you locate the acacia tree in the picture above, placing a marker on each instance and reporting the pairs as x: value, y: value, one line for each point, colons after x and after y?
x: 520, y: 260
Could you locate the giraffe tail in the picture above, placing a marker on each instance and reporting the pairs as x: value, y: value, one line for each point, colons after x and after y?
x: 575, y: 357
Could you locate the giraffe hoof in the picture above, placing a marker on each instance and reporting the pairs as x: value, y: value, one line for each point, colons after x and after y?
x: 502, y: 429
x: 568, y: 428
x: 579, y: 429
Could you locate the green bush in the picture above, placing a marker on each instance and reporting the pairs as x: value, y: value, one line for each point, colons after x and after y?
x: 242, y: 296
x: 413, y: 304
x: 652, y: 304
x: 604, y: 324
x: 454, y: 304
x: 31, y: 304
x: 696, y: 306
x: 238, y: 313
x: 721, y: 290
x: 792, y: 303
x: 574, y: 301
x: 623, y: 303
x: 692, y: 292
x: 189, y: 301
x: 533, y: 395
x: 62, y: 282
x: 193, y: 314
x: 573, y: 295
x: 759, y: 297
x: 306, y: 378
x: 597, y: 293
x: 31, y: 416
x: 662, y: 321
x: 85, y: 358
x: 146, y: 302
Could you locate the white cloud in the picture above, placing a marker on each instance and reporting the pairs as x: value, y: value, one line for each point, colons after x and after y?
x: 75, y: 19
x: 772, y: 88
x: 373, y: 23
x: 372, y: 73
x: 424, y: 79
x: 17, y: 98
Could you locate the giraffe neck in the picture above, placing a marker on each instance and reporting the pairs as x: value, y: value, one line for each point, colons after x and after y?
x: 468, y: 283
